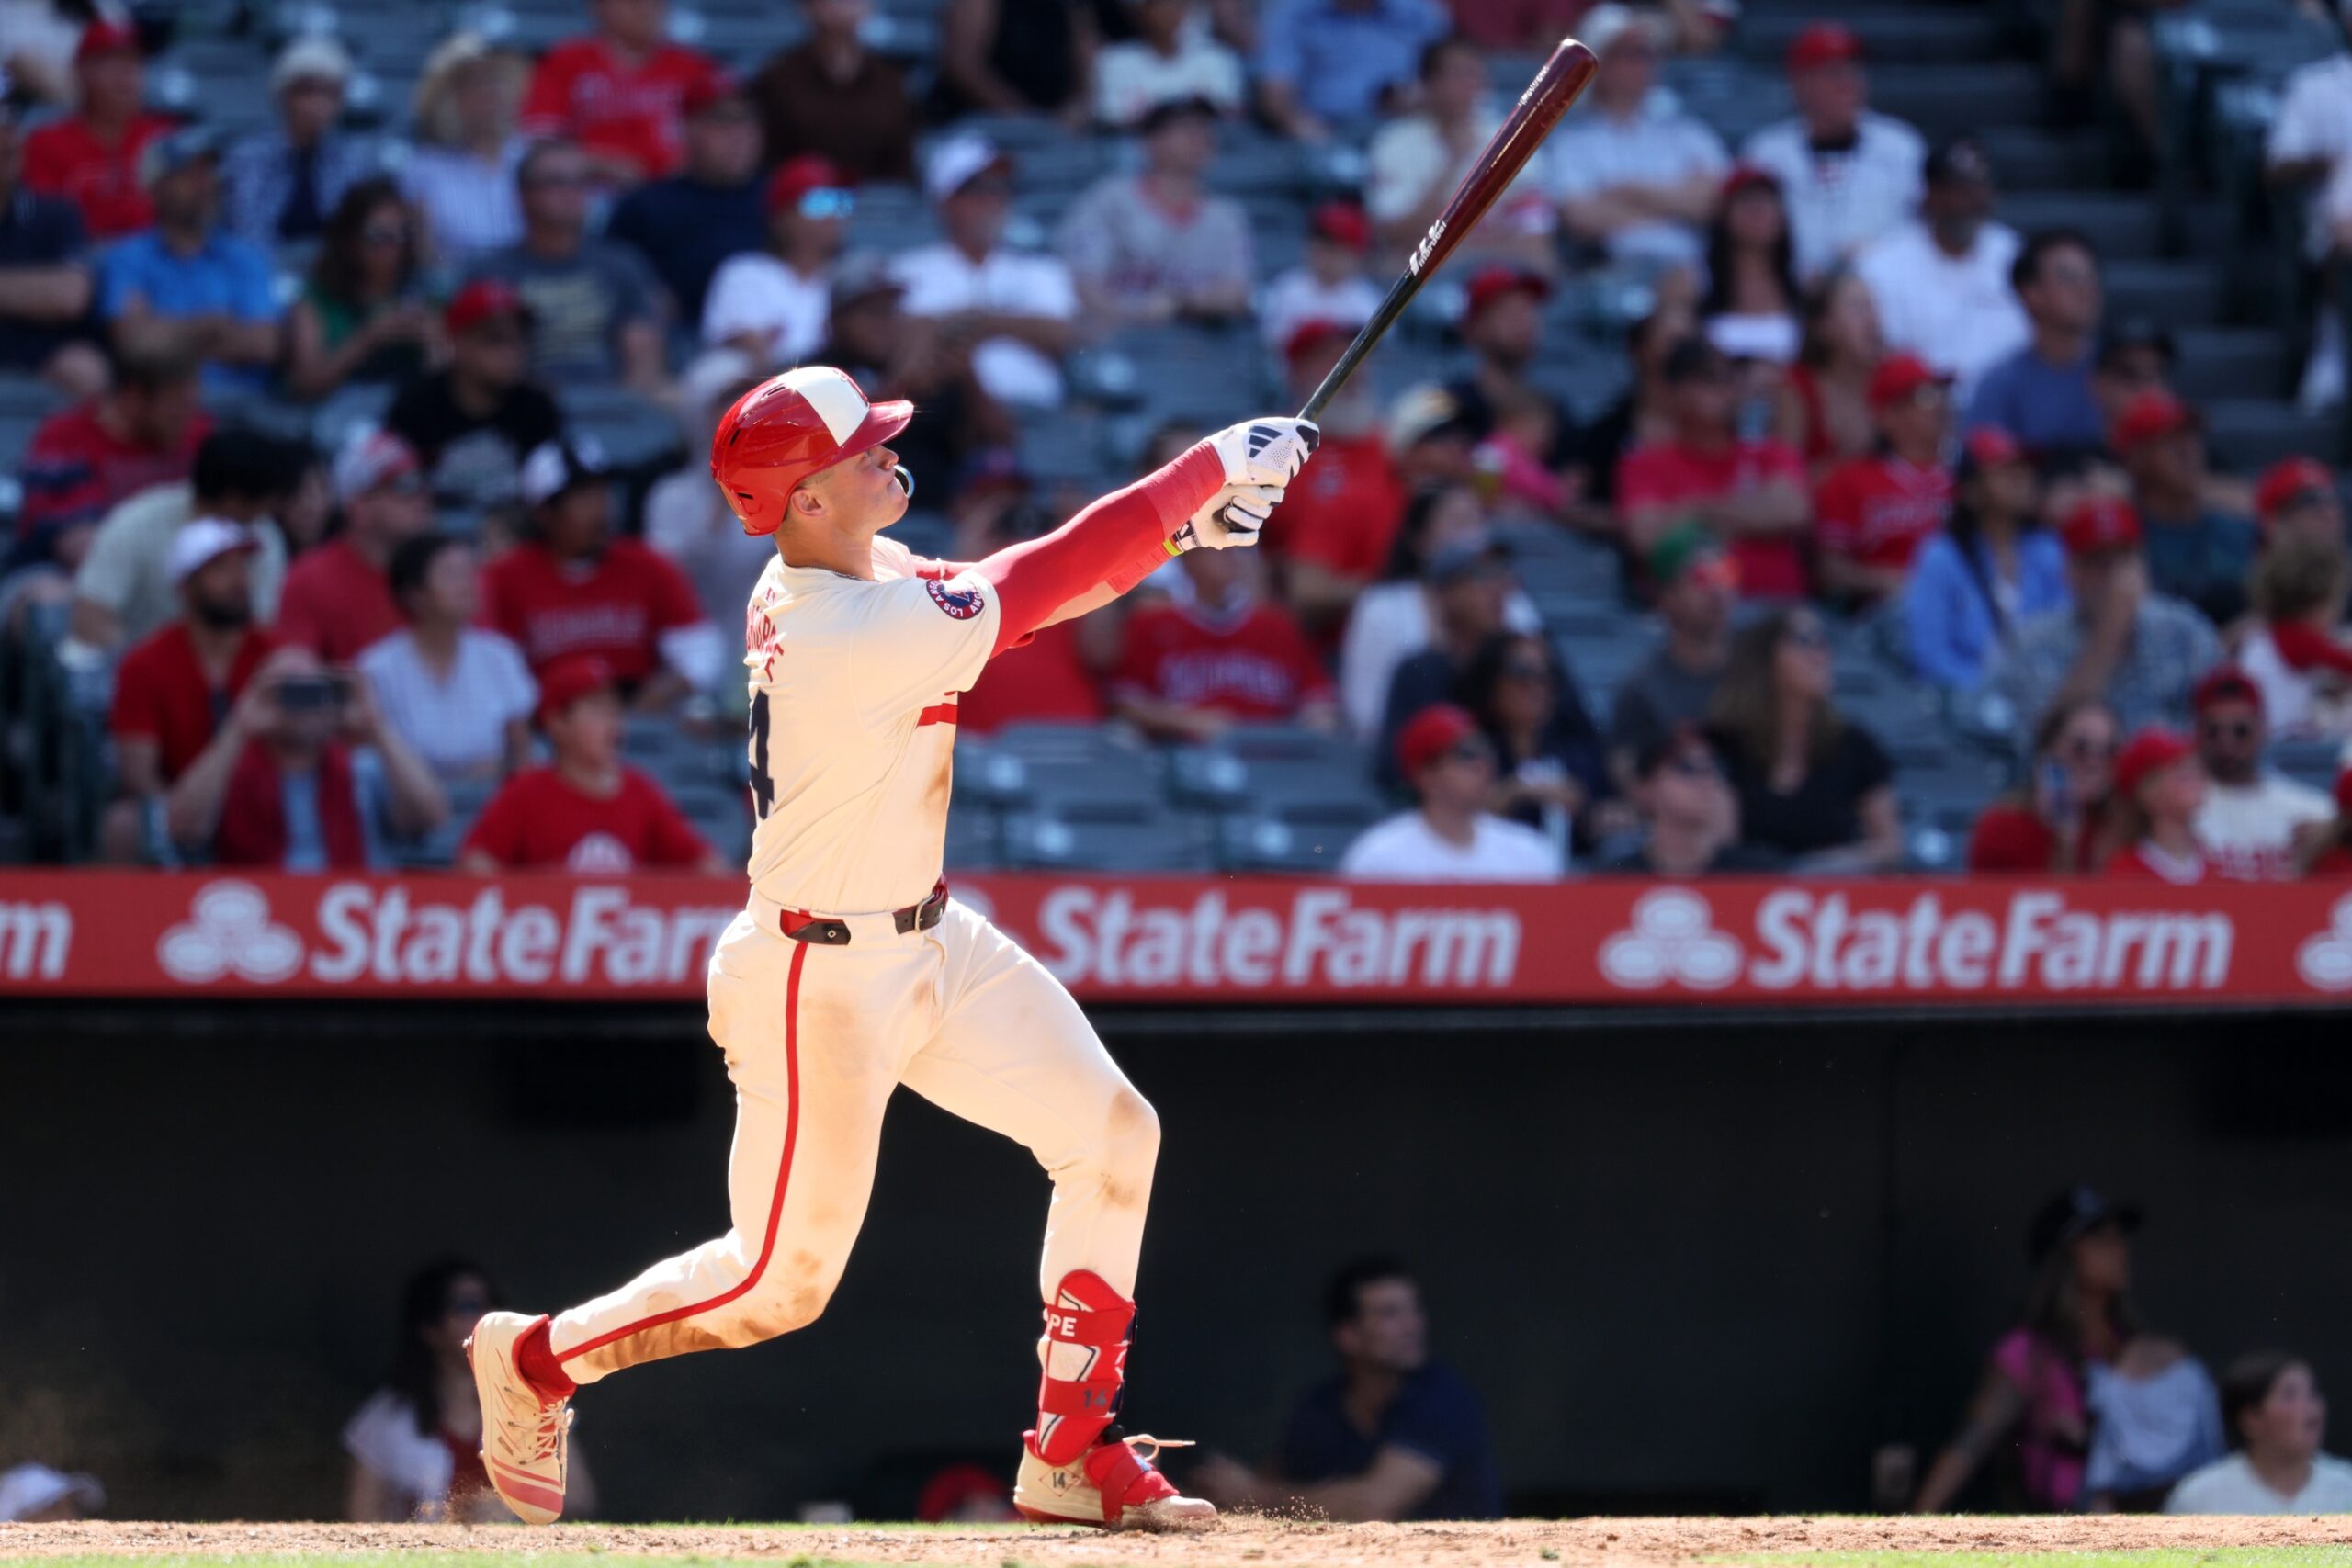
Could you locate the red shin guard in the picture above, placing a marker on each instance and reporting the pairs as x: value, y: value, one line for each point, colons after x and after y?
x: 1088, y: 1325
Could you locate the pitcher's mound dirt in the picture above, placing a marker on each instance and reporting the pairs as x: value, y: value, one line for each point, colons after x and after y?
x: 1241, y: 1543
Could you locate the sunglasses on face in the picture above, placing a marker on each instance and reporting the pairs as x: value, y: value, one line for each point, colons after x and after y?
x: 827, y: 203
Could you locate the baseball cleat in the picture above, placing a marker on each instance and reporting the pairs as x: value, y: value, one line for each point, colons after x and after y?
x: 1109, y: 1486
x: 525, y: 1439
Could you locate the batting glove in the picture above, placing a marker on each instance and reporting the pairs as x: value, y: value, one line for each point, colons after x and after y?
x: 1230, y: 521
x: 1268, y: 451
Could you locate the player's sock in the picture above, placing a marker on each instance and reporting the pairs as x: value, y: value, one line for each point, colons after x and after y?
x: 1088, y: 1325
x: 534, y: 1358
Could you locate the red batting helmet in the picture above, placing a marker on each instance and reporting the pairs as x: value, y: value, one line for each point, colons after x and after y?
x: 790, y: 427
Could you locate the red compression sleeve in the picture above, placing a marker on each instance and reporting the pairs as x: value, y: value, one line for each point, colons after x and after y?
x: 1118, y: 540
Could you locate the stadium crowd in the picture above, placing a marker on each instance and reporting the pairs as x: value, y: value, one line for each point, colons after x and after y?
x: 1859, y: 412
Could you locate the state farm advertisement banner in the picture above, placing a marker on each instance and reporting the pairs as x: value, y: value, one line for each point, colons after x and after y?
x: 1222, y: 941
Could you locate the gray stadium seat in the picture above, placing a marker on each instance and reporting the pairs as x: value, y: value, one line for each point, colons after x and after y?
x: 1131, y: 837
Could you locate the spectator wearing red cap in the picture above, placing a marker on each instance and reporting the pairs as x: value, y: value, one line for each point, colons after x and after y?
x: 1750, y: 305
x: 584, y: 812
x: 338, y: 598
x: 1528, y: 447
x: 2056, y: 821
x: 2291, y: 653
x: 460, y: 170
x: 686, y: 224
x: 595, y: 309
x: 832, y: 97
x: 2140, y: 650
x: 85, y: 460
x: 2297, y: 498
x: 1156, y: 246
x: 91, y: 157
x: 1329, y: 285
x: 1191, y: 666
x: 473, y: 422
x: 362, y: 318
x: 2254, y: 818
x: 1750, y: 491
x: 1873, y: 513
x: 1170, y: 60
x: 1848, y: 173
x: 1341, y: 516
x: 1992, y: 568
x: 1632, y: 173
x: 574, y: 588
x: 1941, y: 280
x: 2197, y: 550
x: 619, y: 92
x: 2159, y: 790
x: 770, y: 304
x: 2329, y: 851
x: 1415, y: 160
x: 1451, y: 836
x: 2042, y: 394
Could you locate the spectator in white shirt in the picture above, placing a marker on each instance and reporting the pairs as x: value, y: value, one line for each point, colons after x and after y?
x: 1451, y: 836
x: 1632, y: 172
x: 1415, y: 162
x: 1329, y: 285
x: 460, y: 174
x: 1942, y: 281
x: 459, y: 695
x: 1848, y: 173
x: 2276, y: 1418
x: 771, y: 304
x: 2254, y: 818
x: 1173, y: 56
x: 2310, y: 151
x: 1156, y: 246
x: 1019, y: 309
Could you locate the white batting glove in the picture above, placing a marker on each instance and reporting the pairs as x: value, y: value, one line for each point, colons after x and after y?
x: 1230, y: 521
x: 1266, y: 451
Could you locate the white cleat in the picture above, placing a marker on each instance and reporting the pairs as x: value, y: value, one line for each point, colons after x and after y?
x: 524, y: 1440
x: 1109, y: 1486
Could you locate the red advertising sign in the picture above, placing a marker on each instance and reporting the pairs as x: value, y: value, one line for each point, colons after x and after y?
x: 1145, y: 939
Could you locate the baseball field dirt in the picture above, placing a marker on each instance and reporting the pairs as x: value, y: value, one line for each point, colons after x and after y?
x: 1808, y: 1542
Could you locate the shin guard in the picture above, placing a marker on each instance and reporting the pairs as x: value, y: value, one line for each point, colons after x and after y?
x: 1084, y: 1356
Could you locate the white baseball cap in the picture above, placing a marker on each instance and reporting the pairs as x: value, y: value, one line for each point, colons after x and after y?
x: 311, y: 57
x: 30, y: 1489
x: 555, y: 467
x: 1609, y: 21
x: 370, y: 459
x: 959, y: 160
x: 204, y: 540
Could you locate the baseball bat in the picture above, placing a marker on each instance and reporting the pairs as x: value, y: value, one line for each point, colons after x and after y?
x: 1562, y: 81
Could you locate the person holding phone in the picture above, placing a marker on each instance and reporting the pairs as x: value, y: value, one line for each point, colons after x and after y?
x: 2053, y: 821
x: 304, y: 776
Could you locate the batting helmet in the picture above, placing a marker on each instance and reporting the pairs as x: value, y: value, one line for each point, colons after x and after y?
x: 790, y: 427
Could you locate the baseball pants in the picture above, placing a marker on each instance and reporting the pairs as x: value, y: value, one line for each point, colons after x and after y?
x: 816, y: 1038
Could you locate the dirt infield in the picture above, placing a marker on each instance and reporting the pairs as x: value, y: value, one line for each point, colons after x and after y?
x: 1273, y: 1543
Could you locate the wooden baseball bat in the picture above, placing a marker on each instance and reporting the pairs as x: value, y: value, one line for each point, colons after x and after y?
x: 1562, y: 81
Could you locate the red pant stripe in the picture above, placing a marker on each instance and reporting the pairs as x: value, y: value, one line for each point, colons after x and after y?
x: 782, y: 1176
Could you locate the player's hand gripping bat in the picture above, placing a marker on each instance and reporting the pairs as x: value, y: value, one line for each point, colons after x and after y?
x: 1561, y: 81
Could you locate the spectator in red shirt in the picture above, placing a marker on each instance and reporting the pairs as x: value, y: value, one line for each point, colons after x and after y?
x: 2055, y: 822
x: 1056, y: 676
x: 584, y: 812
x: 2329, y: 854
x: 573, y: 588
x: 172, y: 691
x: 1750, y: 492
x: 1339, y: 520
x: 82, y: 460
x: 2159, y: 789
x: 1191, y: 666
x: 338, y: 598
x: 2297, y: 498
x: 1874, y: 512
x: 91, y: 158
x: 618, y: 92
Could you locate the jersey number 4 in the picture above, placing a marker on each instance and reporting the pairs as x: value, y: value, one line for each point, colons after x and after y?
x: 762, y: 787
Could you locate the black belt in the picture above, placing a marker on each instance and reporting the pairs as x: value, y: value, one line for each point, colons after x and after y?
x: 802, y: 925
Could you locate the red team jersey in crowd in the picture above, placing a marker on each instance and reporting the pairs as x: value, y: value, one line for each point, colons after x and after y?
x: 335, y: 603
x: 2136, y: 864
x: 1343, y: 510
x: 161, y: 694
x: 1254, y: 667
x: 614, y: 109
x: 1877, y: 512
x: 616, y: 607
x: 540, y: 819
x: 1666, y: 474
x: 75, y: 469
x: 2014, y: 838
x: 62, y: 158
x: 1043, y: 681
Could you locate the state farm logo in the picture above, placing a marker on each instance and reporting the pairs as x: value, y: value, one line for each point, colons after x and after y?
x: 228, y: 932
x: 2324, y: 961
x: 1673, y: 938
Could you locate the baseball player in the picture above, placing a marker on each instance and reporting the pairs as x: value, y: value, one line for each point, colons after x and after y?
x: 852, y: 971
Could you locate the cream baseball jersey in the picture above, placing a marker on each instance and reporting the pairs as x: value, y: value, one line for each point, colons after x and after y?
x: 852, y: 728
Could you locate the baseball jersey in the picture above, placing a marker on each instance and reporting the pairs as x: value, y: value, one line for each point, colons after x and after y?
x: 161, y: 693
x: 1879, y: 511
x: 2248, y: 830
x: 612, y: 107
x: 65, y: 158
x: 1256, y: 666
x: 853, y: 687
x: 338, y: 604
x: 539, y: 818
x: 616, y: 607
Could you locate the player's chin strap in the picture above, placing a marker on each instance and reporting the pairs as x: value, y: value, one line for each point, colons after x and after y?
x: 1088, y: 1329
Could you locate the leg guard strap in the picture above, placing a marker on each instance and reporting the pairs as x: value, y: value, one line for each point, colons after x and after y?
x: 1088, y: 1329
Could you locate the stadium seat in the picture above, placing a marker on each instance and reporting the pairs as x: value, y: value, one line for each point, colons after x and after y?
x: 1109, y: 836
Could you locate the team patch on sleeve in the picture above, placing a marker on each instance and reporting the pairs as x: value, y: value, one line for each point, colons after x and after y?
x: 959, y: 603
